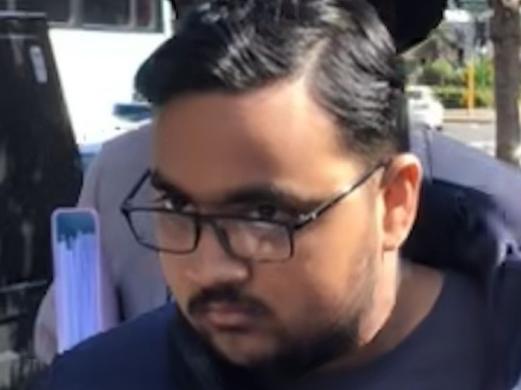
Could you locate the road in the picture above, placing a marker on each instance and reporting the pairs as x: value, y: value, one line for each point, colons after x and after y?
x: 481, y: 136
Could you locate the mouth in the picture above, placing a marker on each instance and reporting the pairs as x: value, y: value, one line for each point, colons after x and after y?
x: 229, y: 317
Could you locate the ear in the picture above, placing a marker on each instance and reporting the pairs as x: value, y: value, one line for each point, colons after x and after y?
x: 401, y: 190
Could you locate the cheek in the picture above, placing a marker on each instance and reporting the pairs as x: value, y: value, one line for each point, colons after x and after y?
x: 332, y: 264
x: 174, y: 271
x: 297, y: 298
x: 315, y: 289
x: 336, y: 253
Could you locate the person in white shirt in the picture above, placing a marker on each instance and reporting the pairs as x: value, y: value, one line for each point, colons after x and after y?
x: 135, y: 270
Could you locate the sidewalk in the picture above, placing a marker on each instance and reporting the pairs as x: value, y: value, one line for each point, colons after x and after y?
x: 478, y: 115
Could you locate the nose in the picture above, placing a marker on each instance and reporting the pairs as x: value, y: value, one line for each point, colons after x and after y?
x: 212, y: 265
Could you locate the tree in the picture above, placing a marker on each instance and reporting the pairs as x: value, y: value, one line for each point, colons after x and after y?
x: 506, y: 36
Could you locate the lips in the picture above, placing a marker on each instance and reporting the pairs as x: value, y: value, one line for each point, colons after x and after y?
x: 228, y: 316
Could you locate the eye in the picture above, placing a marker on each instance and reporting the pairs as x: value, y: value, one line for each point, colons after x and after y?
x: 174, y: 202
x: 269, y: 212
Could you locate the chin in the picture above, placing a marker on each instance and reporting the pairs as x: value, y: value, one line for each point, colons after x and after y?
x: 244, y: 351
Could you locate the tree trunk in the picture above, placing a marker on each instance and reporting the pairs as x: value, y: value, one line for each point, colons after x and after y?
x: 506, y: 36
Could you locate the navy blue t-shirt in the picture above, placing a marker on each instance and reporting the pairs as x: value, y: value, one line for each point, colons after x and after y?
x: 448, y: 350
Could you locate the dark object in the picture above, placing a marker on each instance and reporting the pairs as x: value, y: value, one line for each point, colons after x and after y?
x: 410, y: 21
x: 181, y: 7
x: 39, y: 169
x: 132, y: 112
x: 470, y: 220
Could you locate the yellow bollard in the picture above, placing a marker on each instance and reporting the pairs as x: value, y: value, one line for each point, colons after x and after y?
x: 471, y: 86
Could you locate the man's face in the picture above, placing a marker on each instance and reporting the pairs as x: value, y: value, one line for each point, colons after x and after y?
x: 222, y: 154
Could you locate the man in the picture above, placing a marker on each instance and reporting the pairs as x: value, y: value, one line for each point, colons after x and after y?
x: 282, y: 196
x: 135, y: 270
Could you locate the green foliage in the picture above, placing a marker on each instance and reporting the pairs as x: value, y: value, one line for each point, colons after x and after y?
x: 456, y: 96
x: 484, y: 97
x: 451, y: 96
x: 450, y: 82
x: 484, y: 76
x: 440, y: 72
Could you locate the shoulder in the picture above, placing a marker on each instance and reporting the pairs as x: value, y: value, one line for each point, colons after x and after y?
x: 134, y: 140
x: 117, y: 167
x: 461, y: 318
x: 463, y: 301
x: 133, y: 356
x: 147, y: 329
x: 129, y: 148
x: 447, y: 306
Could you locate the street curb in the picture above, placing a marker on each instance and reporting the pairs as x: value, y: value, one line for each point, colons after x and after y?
x: 469, y: 120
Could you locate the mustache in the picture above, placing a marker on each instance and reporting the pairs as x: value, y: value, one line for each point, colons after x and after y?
x: 225, y: 295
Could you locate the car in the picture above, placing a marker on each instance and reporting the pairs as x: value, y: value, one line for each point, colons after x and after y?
x: 424, y: 108
x: 130, y: 116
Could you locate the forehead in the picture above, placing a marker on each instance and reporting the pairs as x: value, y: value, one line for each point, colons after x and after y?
x: 215, y: 142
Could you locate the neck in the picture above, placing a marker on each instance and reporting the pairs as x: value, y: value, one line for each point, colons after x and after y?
x: 400, y: 304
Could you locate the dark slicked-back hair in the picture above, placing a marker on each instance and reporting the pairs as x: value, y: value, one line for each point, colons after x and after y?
x: 340, y: 48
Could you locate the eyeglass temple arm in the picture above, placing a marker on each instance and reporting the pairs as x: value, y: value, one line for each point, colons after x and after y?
x: 305, y: 219
x: 136, y: 188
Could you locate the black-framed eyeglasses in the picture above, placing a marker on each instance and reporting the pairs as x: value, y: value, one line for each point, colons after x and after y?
x: 242, y: 237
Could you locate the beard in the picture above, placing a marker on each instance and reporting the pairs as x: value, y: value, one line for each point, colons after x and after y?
x: 293, y: 361
x: 303, y: 356
x: 335, y: 336
x: 299, y: 355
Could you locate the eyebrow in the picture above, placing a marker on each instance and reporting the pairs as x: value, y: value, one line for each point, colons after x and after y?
x: 256, y: 193
x: 159, y: 182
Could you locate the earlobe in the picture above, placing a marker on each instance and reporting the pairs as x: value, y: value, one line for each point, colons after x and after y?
x: 400, y: 196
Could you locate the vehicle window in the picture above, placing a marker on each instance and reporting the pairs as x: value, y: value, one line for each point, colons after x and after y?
x: 103, y: 12
x: 4, y: 5
x: 56, y: 10
x: 144, y: 13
